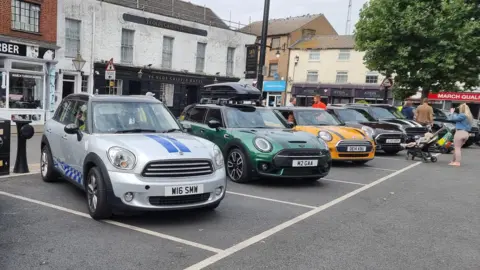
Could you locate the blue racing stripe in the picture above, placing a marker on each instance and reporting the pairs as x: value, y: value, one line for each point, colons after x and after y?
x: 164, y: 142
x: 182, y: 147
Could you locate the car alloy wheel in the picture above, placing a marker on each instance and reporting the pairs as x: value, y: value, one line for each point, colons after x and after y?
x: 235, y: 166
x: 44, y: 163
x: 92, y: 193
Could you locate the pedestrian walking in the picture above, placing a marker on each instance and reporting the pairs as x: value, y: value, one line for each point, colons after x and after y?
x: 317, y: 103
x: 407, y: 110
x: 463, y: 119
x: 424, y: 113
x: 293, y: 102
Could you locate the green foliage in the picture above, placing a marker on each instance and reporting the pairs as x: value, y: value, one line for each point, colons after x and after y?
x: 362, y: 101
x: 430, y: 44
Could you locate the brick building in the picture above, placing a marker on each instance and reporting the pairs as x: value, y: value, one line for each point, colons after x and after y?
x: 28, y: 38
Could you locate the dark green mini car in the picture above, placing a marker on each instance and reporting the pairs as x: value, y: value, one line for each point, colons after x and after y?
x: 257, y: 143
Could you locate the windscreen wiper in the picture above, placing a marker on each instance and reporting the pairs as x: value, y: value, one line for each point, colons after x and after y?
x: 136, y: 130
x: 172, y: 130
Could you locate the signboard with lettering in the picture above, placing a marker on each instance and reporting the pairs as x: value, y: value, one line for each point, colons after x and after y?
x: 342, y: 92
x: 455, y: 96
x: 274, y: 86
x: 26, y: 50
x: 251, y: 62
x: 164, y: 24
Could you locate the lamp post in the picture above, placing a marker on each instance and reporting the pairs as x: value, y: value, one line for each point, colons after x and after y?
x: 78, y: 62
x: 263, y: 45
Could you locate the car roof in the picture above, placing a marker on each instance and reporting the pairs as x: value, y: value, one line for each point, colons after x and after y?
x: 115, y: 98
x: 295, y: 108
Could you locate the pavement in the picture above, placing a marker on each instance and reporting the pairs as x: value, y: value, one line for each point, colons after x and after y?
x: 391, y: 213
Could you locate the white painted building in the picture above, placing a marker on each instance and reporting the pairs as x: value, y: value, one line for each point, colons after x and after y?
x: 171, y: 51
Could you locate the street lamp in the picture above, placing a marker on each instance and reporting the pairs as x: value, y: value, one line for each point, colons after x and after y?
x: 78, y: 62
x: 277, y: 54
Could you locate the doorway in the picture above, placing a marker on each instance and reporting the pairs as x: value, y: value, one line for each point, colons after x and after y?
x: 274, y: 100
x: 192, y: 94
x: 68, y: 88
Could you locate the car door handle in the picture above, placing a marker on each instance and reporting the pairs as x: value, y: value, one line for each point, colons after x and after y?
x: 226, y: 136
x: 202, y: 130
x: 49, y: 130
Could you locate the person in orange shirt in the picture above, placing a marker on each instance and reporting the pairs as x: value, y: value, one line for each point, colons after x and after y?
x: 317, y: 103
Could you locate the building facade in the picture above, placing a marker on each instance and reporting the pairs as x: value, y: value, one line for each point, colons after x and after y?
x: 171, y: 51
x: 330, y: 66
x: 28, y: 35
x: 282, y: 33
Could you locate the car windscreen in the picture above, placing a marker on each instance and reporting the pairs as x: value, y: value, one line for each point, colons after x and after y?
x: 395, y: 112
x: 252, y: 118
x: 382, y: 113
x: 348, y: 115
x: 131, y: 117
x: 439, y: 114
x: 315, y: 118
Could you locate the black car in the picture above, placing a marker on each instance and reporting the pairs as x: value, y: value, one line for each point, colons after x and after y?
x: 388, y: 137
x: 385, y: 113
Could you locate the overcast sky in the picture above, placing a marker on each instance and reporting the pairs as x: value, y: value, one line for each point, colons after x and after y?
x: 243, y: 10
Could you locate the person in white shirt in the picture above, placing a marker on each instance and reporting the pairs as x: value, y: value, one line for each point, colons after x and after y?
x: 293, y: 102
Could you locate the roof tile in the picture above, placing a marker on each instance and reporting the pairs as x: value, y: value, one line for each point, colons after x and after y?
x: 280, y: 26
x: 326, y: 42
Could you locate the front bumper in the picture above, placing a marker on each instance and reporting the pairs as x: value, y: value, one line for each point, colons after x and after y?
x: 151, y: 193
x: 384, y: 141
x: 281, y: 164
x: 340, y: 151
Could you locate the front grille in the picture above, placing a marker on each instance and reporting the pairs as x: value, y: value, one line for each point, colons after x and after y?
x: 352, y: 155
x: 299, y: 153
x: 382, y: 138
x: 284, y: 158
x: 302, y: 171
x: 178, y: 168
x: 342, y: 146
x: 416, y: 130
x: 178, y: 200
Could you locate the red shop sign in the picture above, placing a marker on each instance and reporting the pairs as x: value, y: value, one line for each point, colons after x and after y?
x: 454, y: 96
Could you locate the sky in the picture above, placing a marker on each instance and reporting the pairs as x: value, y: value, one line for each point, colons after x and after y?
x: 245, y: 10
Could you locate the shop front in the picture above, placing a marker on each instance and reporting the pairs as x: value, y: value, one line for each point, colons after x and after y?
x: 453, y: 99
x: 372, y: 96
x: 175, y: 89
x: 27, y: 82
x: 275, y: 92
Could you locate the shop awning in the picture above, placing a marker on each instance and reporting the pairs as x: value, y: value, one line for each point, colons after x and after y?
x: 455, y: 96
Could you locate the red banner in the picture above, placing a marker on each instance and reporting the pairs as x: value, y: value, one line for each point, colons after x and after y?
x: 455, y: 96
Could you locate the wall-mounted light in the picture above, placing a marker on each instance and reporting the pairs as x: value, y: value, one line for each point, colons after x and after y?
x: 78, y: 62
x: 297, y: 58
x: 277, y: 54
x: 140, y: 72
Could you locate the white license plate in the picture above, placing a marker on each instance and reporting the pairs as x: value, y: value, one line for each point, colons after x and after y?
x: 305, y: 163
x: 183, y: 190
x: 393, y: 140
x: 472, y: 134
x: 356, y: 148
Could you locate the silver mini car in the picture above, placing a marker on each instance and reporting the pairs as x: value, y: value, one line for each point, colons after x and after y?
x: 130, y: 152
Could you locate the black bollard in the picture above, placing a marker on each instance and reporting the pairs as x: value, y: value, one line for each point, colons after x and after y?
x: 24, y: 132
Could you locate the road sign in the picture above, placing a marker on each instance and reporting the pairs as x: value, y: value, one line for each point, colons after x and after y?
x: 112, y: 83
x: 387, y: 83
x: 110, y: 71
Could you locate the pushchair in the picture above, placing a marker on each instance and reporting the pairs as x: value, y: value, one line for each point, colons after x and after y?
x: 445, y: 143
x: 422, y: 146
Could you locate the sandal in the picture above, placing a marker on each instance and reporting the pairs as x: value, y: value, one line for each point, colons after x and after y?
x: 456, y: 164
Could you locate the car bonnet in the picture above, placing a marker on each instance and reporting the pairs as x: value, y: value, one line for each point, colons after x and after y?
x: 284, y: 137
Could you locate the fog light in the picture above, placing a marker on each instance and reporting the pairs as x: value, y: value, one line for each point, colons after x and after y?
x: 264, y: 166
x: 128, y: 196
x: 218, y: 190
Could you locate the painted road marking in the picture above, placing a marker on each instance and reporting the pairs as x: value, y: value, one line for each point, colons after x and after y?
x: 341, y: 181
x: 115, y: 223
x: 257, y: 238
x: 271, y: 200
x: 379, y: 169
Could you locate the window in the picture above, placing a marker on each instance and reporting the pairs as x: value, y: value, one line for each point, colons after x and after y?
x: 314, y: 55
x: 342, y: 77
x: 167, y: 52
x: 72, y: 37
x: 26, y: 91
x: 214, y: 114
x: 230, y: 61
x: 200, y: 62
x: 371, y: 78
x: 196, y: 115
x: 66, y: 112
x: 273, y: 69
x: 259, y: 118
x: 80, y: 110
x: 3, y: 90
x: 116, y: 89
x: 84, y: 83
x: 25, y: 16
x: 312, y: 76
x: 275, y: 43
x: 344, y: 55
x: 127, y: 46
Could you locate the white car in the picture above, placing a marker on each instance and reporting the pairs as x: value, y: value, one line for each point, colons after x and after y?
x: 130, y: 152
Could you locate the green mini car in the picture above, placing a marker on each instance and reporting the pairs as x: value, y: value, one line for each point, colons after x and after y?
x: 256, y: 143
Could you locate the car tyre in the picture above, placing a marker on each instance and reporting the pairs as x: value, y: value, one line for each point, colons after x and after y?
x: 97, y: 202
x: 238, y: 167
x: 391, y: 152
x: 47, y: 169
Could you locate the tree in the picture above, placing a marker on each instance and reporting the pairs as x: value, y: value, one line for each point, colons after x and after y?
x: 428, y: 44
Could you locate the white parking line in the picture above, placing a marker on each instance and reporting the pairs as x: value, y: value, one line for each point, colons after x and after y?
x: 271, y: 200
x: 257, y: 238
x: 379, y: 169
x: 340, y: 181
x: 115, y: 223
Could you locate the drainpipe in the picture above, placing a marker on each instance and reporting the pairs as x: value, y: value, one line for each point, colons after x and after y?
x: 92, y: 52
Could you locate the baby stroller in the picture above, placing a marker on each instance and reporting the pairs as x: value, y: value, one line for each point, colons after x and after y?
x: 422, y: 146
x: 445, y: 143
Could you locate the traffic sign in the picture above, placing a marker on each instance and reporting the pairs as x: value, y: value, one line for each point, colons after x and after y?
x: 110, y: 71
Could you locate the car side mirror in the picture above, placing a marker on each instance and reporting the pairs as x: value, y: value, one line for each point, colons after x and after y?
x: 214, y: 124
x: 290, y: 125
x: 71, y: 129
x: 187, y: 127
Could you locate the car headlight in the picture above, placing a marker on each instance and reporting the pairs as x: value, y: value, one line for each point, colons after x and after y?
x: 325, y: 136
x: 121, y: 158
x: 218, y: 157
x: 262, y: 145
x: 370, y: 132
